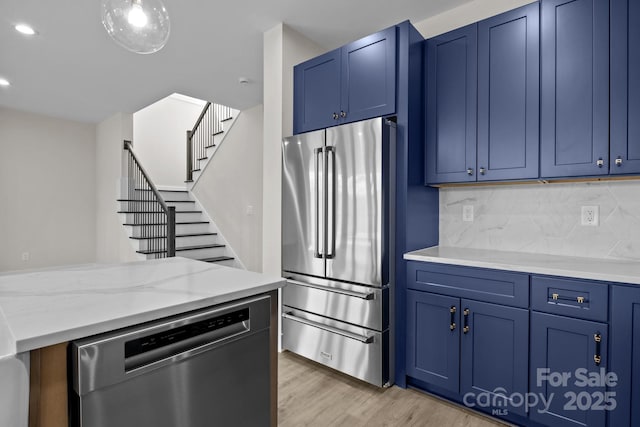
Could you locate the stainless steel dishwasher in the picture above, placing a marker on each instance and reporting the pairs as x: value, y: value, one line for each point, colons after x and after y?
x: 202, y: 369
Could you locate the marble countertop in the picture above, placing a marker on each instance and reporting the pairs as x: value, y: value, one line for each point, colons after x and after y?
x: 556, y: 265
x: 42, y: 308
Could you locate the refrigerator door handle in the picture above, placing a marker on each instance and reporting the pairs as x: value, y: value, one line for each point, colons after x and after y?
x: 331, y: 216
x: 318, y: 154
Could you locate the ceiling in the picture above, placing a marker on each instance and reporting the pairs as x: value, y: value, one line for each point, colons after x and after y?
x: 73, y: 70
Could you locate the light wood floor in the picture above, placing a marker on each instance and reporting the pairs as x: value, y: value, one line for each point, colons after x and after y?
x: 313, y: 395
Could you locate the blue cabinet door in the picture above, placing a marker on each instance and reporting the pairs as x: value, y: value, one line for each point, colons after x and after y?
x: 316, y: 93
x: 369, y: 77
x: 508, y: 95
x: 625, y: 86
x: 575, y: 88
x: 559, y: 347
x: 495, y: 355
x: 625, y: 355
x: 451, y: 96
x: 433, y: 341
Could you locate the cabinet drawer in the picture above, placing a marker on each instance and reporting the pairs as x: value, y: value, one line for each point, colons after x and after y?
x: 570, y: 297
x: 495, y: 286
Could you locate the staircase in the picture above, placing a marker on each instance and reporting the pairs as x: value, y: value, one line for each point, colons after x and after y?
x: 142, y: 210
x: 207, y: 134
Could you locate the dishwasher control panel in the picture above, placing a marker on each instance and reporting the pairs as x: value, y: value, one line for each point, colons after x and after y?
x: 180, y: 333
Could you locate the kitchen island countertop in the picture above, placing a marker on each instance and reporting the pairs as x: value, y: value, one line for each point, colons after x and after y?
x: 46, y: 307
x: 608, y: 270
x: 41, y: 308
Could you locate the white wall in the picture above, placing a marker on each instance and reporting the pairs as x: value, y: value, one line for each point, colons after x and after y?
x: 545, y: 219
x: 466, y: 14
x: 47, y: 182
x: 230, y: 188
x: 112, y: 243
x: 159, y: 137
x: 283, y: 48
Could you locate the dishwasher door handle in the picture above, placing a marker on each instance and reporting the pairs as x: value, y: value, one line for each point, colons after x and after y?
x: 362, y: 338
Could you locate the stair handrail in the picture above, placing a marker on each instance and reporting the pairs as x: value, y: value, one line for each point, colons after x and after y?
x: 170, y: 211
x: 202, y: 114
x: 190, y: 134
x: 209, y: 123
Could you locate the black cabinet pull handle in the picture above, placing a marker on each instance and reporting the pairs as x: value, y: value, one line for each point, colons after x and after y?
x: 598, y: 339
x: 452, y: 325
x: 465, y: 329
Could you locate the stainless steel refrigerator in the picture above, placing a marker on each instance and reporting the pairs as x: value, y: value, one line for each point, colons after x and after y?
x: 337, y: 190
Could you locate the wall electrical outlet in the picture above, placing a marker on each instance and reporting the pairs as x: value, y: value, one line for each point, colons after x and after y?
x: 590, y: 216
x: 25, y: 256
x: 467, y: 213
x: 250, y: 210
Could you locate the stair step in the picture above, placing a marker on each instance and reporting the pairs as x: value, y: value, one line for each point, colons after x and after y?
x: 152, y: 252
x: 195, y: 170
x: 193, y: 248
x: 202, y: 158
x: 226, y: 120
x: 163, y: 191
x: 155, y: 212
x: 185, y: 248
x: 177, y: 223
x: 177, y: 236
x: 217, y: 259
x: 153, y: 201
x: 210, y: 146
x: 217, y: 133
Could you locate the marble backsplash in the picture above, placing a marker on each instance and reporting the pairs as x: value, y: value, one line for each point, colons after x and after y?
x: 545, y: 218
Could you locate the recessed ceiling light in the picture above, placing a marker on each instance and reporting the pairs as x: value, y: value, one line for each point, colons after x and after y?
x: 4, y: 82
x: 25, y: 29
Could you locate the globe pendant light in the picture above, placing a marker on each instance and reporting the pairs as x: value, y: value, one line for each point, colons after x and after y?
x: 141, y: 26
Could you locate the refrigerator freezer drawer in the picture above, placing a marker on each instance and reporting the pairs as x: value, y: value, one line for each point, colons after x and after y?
x: 360, y: 305
x: 354, y: 351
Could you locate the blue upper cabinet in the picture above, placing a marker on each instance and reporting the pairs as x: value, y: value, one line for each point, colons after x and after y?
x: 625, y: 87
x: 508, y: 95
x: 369, y: 77
x: 483, y: 96
x: 451, y: 67
x: 355, y: 82
x: 317, y: 92
x: 575, y: 88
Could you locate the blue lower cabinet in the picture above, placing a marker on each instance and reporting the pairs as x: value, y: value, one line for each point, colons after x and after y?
x: 476, y: 350
x: 568, y: 367
x: 625, y: 355
x: 494, y: 357
x: 433, y: 341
